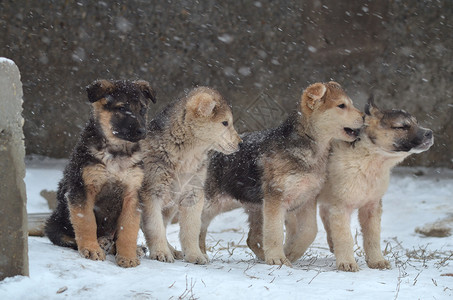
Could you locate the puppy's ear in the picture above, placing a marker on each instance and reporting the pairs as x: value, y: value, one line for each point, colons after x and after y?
x: 201, y: 104
x: 147, y: 91
x: 98, y: 89
x: 313, y: 94
x: 334, y: 84
x: 371, y: 109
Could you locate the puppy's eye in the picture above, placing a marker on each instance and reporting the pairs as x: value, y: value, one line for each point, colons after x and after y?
x: 225, y: 123
x: 121, y: 108
x: 402, y: 127
x: 342, y: 106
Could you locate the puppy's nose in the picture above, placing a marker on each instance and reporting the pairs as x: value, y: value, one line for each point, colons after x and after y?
x: 429, y: 134
x: 141, y: 131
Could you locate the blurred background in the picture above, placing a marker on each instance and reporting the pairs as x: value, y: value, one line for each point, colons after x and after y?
x: 259, y: 54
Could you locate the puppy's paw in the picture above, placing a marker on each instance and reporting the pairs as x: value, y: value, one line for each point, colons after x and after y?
x: 93, y: 253
x: 127, y: 262
x: 380, y: 264
x: 257, y: 249
x: 177, y: 254
x: 259, y: 253
x: 196, y: 258
x: 278, y: 260
x: 161, y: 255
x: 107, y: 244
x: 348, y: 266
x: 206, y: 256
x: 141, y: 251
x: 293, y: 256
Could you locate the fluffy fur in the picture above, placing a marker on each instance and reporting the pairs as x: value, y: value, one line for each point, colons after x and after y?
x: 98, y: 195
x: 177, y: 146
x: 278, y: 173
x: 358, y: 177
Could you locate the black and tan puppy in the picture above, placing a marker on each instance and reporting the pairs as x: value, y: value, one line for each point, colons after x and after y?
x: 278, y: 173
x: 358, y: 177
x: 98, y: 195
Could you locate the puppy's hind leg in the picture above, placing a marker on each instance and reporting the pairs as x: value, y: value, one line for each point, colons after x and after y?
x: 301, y: 230
x: 255, y: 236
x: 212, y: 208
x: 370, y: 221
x: 323, y: 213
x: 169, y: 215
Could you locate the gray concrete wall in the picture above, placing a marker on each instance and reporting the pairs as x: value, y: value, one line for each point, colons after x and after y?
x: 13, y: 212
x: 252, y: 51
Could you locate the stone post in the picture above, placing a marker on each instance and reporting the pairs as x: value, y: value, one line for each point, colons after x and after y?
x: 13, y: 210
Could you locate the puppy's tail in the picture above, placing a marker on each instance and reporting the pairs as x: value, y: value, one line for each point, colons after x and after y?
x: 59, y: 229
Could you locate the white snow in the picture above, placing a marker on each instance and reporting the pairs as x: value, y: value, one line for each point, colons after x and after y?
x: 312, y: 49
x: 245, y: 71
x: 418, y: 263
x: 123, y: 24
x: 258, y: 4
x: 229, y: 71
x: 79, y: 54
x: 226, y: 38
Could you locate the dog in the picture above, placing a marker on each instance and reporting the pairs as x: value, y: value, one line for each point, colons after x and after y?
x: 98, y: 195
x: 358, y: 177
x: 277, y: 173
x: 176, y: 152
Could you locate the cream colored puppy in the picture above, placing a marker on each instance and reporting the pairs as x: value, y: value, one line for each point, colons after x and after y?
x: 175, y: 162
x: 358, y: 177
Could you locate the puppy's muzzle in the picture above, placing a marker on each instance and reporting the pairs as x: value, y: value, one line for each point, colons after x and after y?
x: 352, y: 132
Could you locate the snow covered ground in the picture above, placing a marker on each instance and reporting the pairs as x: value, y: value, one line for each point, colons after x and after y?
x: 422, y: 267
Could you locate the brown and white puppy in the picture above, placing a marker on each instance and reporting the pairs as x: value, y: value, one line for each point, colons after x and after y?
x: 177, y: 146
x: 278, y: 173
x: 97, y: 198
x: 358, y: 177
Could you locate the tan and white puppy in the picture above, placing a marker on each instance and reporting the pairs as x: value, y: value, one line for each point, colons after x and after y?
x: 358, y: 177
x: 175, y: 159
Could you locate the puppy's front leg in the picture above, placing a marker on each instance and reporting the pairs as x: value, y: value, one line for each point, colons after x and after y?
x: 370, y: 221
x: 190, y: 225
x: 273, y: 220
x: 84, y: 222
x: 301, y: 230
x: 339, y: 219
x: 128, y: 226
x: 154, y: 227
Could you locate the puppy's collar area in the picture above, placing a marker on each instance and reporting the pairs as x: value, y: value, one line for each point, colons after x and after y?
x: 125, y: 148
